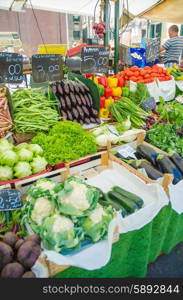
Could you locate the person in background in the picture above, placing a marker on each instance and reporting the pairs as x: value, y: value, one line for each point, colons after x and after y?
x: 173, y: 47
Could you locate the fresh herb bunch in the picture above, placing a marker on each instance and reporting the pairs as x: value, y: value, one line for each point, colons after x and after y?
x: 65, y: 142
x: 140, y: 94
x: 165, y: 138
x: 171, y: 112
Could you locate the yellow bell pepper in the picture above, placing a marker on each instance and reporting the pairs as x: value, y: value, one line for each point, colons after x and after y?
x: 103, y: 113
x: 108, y: 101
x: 94, y: 79
x: 179, y: 77
x: 117, y: 92
x: 112, y: 82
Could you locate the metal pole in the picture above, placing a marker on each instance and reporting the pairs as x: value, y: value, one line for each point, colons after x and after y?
x: 106, y: 20
x: 116, y: 36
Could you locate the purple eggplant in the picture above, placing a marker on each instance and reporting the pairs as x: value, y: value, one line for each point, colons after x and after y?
x: 92, y: 120
x: 79, y: 102
x: 90, y: 98
x: 76, y: 88
x: 74, y: 120
x: 75, y: 113
x: 68, y: 102
x: 70, y: 117
x: 94, y: 113
x: 60, y: 89
x: 87, y: 101
x: 81, y: 88
x: 64, y: 115
x: 83, y: 100
x: 87, y: 120
x: 80, y: 111
x: 73, y: 99
x: 71, y: 87
x: 87, y: 90
x: 66, y: 88
x: 86, y: 111
x: 54, y: 88
x: 62, y: 103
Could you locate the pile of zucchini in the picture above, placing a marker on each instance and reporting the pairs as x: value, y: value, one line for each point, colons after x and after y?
x: 122, y: 200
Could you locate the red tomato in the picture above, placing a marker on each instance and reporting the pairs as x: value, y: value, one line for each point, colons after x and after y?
x: 134, y: 68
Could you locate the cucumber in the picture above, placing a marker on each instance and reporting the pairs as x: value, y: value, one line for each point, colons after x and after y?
x: 138, y: 201
x: 128, y: 204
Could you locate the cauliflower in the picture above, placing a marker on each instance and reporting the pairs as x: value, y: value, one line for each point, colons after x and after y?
x: 42, y: 208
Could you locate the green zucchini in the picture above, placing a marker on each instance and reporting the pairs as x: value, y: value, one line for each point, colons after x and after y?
x: 128, y: 204
x: 138, y: 201
x: 115, y: 205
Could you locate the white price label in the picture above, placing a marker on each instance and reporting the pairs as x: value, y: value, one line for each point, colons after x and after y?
x: 127, y: 151
x: 112, y: 129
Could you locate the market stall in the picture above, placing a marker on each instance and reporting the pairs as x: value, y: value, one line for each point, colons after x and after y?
x: 91, y: 170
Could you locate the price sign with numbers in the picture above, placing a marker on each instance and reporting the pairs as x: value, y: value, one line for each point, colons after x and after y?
x: 94, y: 59
x: 153, y: 49
x: 47, y: 67
x: 10, y: 200
x: 11, y: 67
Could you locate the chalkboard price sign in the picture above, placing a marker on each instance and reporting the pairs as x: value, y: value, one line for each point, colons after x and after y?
x: 153, y: 50
x: 11, y: 67
x: 10, y: 200
x: 148, y: 104
x: 94, y: 59
x: 47, y: 67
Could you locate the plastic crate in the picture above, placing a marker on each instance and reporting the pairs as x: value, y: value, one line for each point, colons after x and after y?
x: 53, y: 49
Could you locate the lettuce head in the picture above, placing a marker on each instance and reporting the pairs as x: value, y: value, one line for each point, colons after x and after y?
x: 9, y: 158
x: 6, y: 173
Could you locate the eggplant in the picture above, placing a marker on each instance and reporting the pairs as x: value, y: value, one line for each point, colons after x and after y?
x: 87, y: 90
x: 167, y: 166
x: 81, y: 87
x: 94, y: 113
x: 66, y: 88
x: 76, y: 88
x: 80, y: 111
x: 60, y: 89
x: 64, y: 115
x: 86, y: 111
x: 87, y: 101
x: 92, y: 120
x: 73, y: 99
x: 75, y: 113
x: 87, y: 120
x: 83, y: 100
x: 70, y: 117
x: 71, y: 87
x: 90, y: 98
x: 152, y: 172
x: 68, y: 102
x: 177, y: 160
x: 148, y: 153
x: 98, y: 120
x: 62, y: 103
x: 78, y: 99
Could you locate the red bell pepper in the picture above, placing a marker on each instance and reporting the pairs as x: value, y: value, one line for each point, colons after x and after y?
x: 102, y: 102
x: 107, y: 92
x: 88, y: 75
x: 103, y: 81
x: 121, y: 82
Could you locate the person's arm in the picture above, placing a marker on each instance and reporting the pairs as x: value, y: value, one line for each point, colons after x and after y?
x: 162, y: 49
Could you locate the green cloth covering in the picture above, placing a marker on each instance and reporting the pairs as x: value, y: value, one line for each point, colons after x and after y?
x: 136, y: 249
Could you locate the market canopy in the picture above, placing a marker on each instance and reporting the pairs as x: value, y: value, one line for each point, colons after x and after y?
x: 170, y: 11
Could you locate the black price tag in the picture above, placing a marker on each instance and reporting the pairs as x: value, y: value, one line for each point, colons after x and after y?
x: 47, y: 67
x: 11, y: 67
x: 148, y: 104
x: 10, y: 199
x: 94, y: 60
x: 153, y: 50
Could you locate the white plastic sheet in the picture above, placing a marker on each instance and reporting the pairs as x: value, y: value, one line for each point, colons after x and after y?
x: 167, y: 89
x: 176, y: 196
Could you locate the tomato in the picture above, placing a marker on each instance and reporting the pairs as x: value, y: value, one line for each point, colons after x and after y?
x: 129, y: 73
x: 126, y: 77
x: 147, y: 68
x: 146, y: 76
x: 133, y: 78
x: 134, y: 68
x: 160, y: 70
x: 140, y: 78
x: 142, y: 72
x: 136, y: 73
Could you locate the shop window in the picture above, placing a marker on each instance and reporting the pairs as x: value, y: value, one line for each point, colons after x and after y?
x: 152, y: 31
x: 76, y: 19
x: 158, y: 30
x: 76, y: 35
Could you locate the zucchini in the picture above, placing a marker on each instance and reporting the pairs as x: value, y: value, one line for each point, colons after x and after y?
x: 115, y: 205
x: 128, y: 204
x: 134, y: 198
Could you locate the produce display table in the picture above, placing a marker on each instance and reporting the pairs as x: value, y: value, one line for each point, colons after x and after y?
x: 136, y: 249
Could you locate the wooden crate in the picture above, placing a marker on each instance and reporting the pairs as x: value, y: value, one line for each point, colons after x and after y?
x: 167, y: 178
